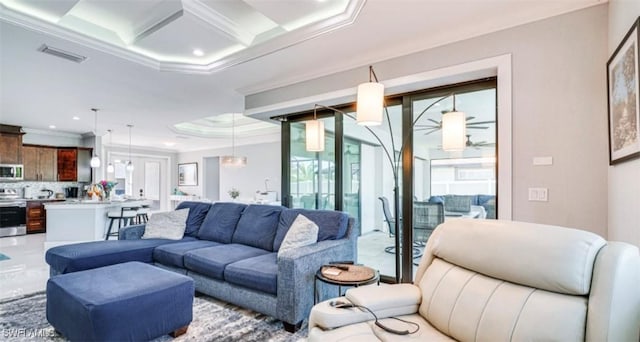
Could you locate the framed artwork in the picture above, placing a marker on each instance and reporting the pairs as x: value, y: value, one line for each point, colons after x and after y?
x: 623, y: 98
x: 188, y: 174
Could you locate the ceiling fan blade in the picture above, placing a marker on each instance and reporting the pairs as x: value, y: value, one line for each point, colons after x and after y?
x: 476, y: 127
x: 480, y: 123
x: 470, y: 118
x: 431, y: 131
x: 426, y: 126
x: 435, y: 122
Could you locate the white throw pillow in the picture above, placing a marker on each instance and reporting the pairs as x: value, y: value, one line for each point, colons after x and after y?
x: 169, y: 225
x: 303, y: 232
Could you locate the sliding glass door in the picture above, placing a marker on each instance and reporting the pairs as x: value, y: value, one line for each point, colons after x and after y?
x: 396, y: 179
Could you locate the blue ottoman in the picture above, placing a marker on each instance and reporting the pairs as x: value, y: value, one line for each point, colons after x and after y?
x: 132, y: 301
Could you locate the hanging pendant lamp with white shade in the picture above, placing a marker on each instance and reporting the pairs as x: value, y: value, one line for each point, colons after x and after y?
x: 454, y: 130
x: 370, y: 101
x: 233, y: 160
x: 314, y: 134
x: 110, y: 168
x: 95, y: 160
x: 129, y: 166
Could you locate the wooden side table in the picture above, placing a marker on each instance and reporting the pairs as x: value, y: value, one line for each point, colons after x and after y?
x: 355, y: 276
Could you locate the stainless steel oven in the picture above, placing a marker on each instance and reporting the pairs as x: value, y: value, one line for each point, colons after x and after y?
x: 13, y: 217
x: 11, y: 172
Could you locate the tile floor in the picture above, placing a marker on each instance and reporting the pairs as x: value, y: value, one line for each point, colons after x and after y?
x: 27, y: 272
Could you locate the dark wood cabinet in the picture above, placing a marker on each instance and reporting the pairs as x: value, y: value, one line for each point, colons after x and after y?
x: 67, y: 164
x: 10, y: 148
x: 36, y: 217
x: 40, y: 163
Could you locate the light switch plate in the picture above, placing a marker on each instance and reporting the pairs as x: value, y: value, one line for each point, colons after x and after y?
x: 539, y: 194
x: 538, y: 161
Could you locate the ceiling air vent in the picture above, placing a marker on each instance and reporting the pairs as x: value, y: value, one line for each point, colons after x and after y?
x: 62, y: 54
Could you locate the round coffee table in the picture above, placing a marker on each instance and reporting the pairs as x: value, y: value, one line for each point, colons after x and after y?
x: 354, y: 276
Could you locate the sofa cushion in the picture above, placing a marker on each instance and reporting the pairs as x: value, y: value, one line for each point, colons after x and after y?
x: 89, y: 255
x: 332, y: 225
x: 436, y: 199
x: 258, y: 273
x: 457, y: 203
x: 212, y: 261
x: 303, y: 232
x: 173, y: 254
x: 197, y: 213
x: 257, y: 226
x: 221, y: 222
x: 169, y: 225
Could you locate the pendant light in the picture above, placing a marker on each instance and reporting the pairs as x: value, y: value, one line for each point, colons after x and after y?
x: 233, y: 160
x: 370, y: 101
x: 314, y: 130
x: 110, y: 168
x: 454, y: 130
x: 95, y: 160
x: 129, y: 166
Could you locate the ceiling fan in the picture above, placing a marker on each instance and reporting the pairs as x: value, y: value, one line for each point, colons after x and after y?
x: 437, y: 125
x: 478, y: 144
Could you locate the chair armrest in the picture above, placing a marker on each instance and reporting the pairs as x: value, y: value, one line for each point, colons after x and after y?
x: 384, y: 301
x: 133, y: 232
x: 296, y: 274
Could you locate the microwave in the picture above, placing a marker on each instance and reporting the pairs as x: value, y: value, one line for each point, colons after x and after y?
x: 11, y: 172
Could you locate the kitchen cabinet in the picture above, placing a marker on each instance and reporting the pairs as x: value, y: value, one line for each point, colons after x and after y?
x: 36, y: 217
x: 74, y: 164
x: 10, y: 148
x: 40, y: 163
x: 67, y: 164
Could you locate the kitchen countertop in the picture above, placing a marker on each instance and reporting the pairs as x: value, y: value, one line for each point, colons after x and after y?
x: 82, y: 204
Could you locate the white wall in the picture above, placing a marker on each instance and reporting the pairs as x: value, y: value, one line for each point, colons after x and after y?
x: 624, y: 178
x: 558, y: 101
x: 263, y: 161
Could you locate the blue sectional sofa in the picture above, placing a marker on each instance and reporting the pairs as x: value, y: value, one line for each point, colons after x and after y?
x: 230, y: 250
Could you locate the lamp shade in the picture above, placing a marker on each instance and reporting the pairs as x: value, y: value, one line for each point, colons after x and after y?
x: 454, y: 130
x: 95, y: 162
x: 129, y: 166
x: 314, y: 135
x: 110, y: 168
x: 369, y: 106
x: 233, y: 161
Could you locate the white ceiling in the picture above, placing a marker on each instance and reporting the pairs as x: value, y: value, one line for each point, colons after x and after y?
x: 144, y: 73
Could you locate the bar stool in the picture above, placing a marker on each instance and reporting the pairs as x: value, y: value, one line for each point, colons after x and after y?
x: 126, y: 214
x: 142, y: 215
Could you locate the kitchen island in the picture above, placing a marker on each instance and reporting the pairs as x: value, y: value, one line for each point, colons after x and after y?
x: 80, y: 221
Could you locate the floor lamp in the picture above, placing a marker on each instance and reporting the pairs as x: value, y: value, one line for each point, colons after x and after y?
x: 370, y: 108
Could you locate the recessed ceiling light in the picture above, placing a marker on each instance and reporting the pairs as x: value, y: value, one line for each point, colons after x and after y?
x: 198, y: 52
x: 168, y: 143
x: 76, y: 118
x: 52, y: 126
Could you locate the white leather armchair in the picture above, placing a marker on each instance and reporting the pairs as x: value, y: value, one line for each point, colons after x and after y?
x: 492, y: 280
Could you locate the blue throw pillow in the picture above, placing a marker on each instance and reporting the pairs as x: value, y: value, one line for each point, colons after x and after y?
x: 221, y: 222
x: 197, y: 213
x: 257, y: 226
x: 332, y: 225
x: 436, y: 199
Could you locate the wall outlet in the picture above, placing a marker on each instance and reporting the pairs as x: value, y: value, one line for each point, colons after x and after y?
x: 539, y: 194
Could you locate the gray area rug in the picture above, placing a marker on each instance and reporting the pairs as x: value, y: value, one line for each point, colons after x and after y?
x: 24, y: 319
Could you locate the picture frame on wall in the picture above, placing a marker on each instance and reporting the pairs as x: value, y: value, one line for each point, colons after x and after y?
x: 188, y: 174
x: 623, y: 97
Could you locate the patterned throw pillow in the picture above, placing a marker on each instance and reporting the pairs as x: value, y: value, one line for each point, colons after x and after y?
x: 169, y: 225
x: 303, y: 232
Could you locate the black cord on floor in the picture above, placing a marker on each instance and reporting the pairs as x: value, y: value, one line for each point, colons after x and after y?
x: 343, y: 305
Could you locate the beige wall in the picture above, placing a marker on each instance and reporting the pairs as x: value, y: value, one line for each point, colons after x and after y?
x: 624, y: 178
x: 558, y: 105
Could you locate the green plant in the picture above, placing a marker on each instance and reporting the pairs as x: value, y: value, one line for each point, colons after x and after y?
x: 234, y: 193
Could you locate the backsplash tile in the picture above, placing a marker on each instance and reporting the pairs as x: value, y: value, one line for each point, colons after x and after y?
x: 36, y: 187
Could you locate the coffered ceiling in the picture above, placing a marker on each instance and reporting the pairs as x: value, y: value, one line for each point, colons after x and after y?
x: 196, y: 36
x: 139, y: 64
